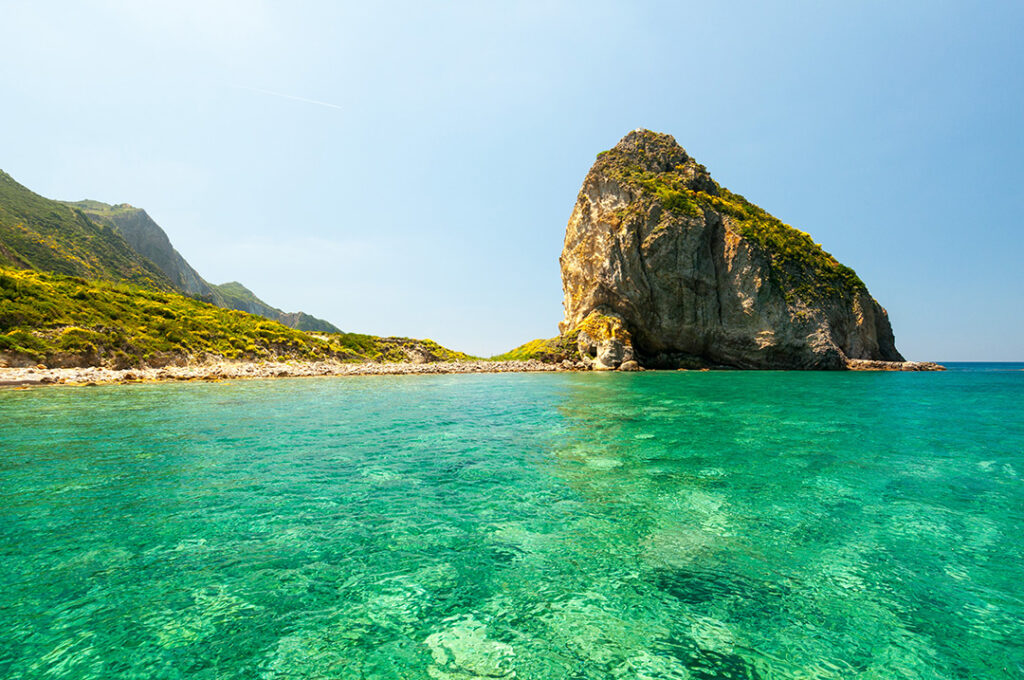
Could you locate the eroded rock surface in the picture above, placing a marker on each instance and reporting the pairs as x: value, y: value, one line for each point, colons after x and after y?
x: 663, y: 266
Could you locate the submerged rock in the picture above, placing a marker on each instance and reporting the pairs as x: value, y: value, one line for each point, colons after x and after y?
x: 464, y: 652
x: 663, y: 266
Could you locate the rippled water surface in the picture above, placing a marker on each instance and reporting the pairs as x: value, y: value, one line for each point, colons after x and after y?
x: 653, y: 526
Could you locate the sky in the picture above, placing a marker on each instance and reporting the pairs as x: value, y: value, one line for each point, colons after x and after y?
x: 409, y: 168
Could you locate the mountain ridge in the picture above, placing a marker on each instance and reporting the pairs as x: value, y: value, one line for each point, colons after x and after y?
x: 236, y: 296
x: 149, y: 239
x: 46, y: 235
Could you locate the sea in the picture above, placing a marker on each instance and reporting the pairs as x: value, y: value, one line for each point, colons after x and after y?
x: 653, y: 526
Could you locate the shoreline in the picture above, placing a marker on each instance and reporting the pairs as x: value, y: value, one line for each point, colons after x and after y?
x: 217, y: 371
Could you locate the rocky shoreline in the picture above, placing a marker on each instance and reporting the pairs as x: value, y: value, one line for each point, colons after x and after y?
x: 217, y: 371
x: 871, y: 365
x: 96, y: 375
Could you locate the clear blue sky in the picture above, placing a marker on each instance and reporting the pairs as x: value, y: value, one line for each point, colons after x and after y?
x: 427, y: 192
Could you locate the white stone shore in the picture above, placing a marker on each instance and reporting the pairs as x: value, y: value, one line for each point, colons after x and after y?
x: 228, y: 370
x: 40, y: 375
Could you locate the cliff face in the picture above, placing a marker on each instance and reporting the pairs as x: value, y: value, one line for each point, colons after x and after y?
x: 663, y: 266
x: 148, y: 239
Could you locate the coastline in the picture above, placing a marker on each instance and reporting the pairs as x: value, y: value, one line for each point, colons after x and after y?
x: 217, y: 371
x: 226, y: 370
x: 873, y: 365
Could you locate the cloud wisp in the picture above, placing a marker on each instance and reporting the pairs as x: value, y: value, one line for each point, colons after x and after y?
x: 282, y: 95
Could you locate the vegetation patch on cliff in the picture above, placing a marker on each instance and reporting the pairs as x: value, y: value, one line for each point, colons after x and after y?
x: 801, y: 267
x: 552, y: 350
x: 670, y: 188
x: 798, y: 265
x: 599, y: 326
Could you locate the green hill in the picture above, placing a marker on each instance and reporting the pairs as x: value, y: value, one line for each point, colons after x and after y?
x: 63, y: 320
x: 44, y: 235
x: 234, y: 295
x: 148, y: 239
x: 89, y: 283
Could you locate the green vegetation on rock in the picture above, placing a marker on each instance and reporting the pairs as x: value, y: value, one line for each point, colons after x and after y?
x: 802, y: 267
x: 551, y: 350
x: 798, y: 265
x: 670, y: 190
x: 603, y: 327
x: 406, y: 349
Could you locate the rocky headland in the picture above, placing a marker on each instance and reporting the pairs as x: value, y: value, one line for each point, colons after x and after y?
x: 665, y: 268
x: 662, y: 268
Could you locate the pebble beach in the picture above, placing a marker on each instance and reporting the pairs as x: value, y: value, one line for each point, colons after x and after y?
x: 96, y: 375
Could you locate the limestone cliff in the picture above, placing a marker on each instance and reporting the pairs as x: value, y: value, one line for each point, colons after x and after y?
x: 663, y: 266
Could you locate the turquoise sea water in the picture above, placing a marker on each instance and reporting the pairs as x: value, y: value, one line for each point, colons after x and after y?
x: 656, y: 526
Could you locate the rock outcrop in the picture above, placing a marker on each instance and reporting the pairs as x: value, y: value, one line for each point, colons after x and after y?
x: 663, y: 266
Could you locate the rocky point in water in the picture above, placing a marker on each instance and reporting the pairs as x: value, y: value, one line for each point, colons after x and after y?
x: 664, y: 267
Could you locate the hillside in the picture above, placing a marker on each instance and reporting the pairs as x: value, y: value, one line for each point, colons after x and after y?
x: 234, y: 295
x: 93, y: 284
x: 63, y: 320
x: 149, y: 239
x: 44, y: 235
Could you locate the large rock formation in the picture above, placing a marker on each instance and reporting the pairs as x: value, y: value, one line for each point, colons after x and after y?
x: 663, y: 266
